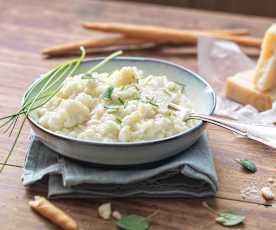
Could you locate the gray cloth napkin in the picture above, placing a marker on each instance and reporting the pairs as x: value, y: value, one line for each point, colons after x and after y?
x: 189, y: 174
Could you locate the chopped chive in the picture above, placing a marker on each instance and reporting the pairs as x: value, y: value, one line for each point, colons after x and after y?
x: 87, y: 76
x: 121, y: 101
x: 183, y: 86
x: 150, y: 101
x: 42, y: 91
x: 153, y: 104
x: 166, y: 91
x: 119, y: 120
x: 112, y: 108
x: 107, y: 95
x: 107, y: 59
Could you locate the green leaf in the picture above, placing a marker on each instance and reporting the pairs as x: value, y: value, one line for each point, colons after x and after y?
x: 121, y: 101
x: 133, y: 222
x: 108, y: 93
x: 230, y: 219
x: 248, y: 165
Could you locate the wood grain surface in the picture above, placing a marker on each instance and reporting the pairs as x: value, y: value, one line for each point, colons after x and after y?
x: 28, y: 26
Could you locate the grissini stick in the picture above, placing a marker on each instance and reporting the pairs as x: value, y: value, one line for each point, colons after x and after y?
x: 116, y: 41
x: 162, y: 34
x: 53, y: 213
x: 92, y: 43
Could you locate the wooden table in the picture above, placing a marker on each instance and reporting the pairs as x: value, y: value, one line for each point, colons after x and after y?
x: 28, y: 26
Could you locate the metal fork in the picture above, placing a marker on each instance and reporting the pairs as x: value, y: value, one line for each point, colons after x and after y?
x: 259, y: 133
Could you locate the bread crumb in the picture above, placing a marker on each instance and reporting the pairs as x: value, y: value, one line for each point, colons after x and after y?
x: 252, y: 191
x: 104, y: 211
x: 116, y: 215
x: 267, y: 193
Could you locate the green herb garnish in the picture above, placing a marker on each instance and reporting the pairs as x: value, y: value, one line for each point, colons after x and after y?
x: 228, y: 218
x: 119, y: 120
x: 150, y: 100
x: 133, y: 222
x: 112, y: 108
x: 107, y: 95
x: 183, y: 86
x: 166, y: 91
x: 121, y: 101
x: 136, y: 222
x: 87, y: 76
x: 42, y: 91
x: 248, y: 165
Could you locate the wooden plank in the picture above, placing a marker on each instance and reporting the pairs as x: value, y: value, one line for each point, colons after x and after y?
x: 15, y: 67
x: 23, y: 35
x: 173, y: 214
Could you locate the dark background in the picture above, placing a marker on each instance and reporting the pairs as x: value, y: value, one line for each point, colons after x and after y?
x: 252, y: 7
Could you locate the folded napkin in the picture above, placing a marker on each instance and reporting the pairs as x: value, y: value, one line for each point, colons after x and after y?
x: 189, y: 174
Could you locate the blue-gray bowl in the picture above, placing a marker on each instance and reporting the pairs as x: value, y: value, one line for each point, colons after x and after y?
x: 197, y: 89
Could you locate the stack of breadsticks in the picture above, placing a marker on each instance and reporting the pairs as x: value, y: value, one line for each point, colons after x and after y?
x: 140, y: 36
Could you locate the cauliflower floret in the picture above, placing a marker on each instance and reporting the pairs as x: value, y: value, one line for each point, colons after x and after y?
x: 125, y: 134
x: 90, y: 134
x: 98, y: 112
x: 146, y: 110
x: 125, y: 93
x: 56, y: 120
x: 90, y: 87
x: 124, y: 76
x: 130, y: 107
x: 53, y: 104
x: 76, y: 111
x: 147, y: 128
x: 132, y: 119
x: 72, y: 86
x: 109, y: 129
x: 87, y: 100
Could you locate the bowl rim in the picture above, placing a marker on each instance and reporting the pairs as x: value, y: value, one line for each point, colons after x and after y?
x: 136, y: 143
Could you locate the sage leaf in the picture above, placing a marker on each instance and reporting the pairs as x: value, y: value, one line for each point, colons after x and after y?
x: 248, y: 165
x: 133, y: 222
x: 108, y: 93
x: 230, y: 219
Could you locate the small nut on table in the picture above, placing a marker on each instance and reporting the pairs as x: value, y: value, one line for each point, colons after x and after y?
x: 116, y: 215
x: 267, y: 193
x: 104, y: 211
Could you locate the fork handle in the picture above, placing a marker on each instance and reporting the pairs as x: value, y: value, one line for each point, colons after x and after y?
x: 260, y: 133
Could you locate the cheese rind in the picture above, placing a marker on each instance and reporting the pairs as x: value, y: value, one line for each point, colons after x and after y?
x: 241, y: 88
x: 265, y: 75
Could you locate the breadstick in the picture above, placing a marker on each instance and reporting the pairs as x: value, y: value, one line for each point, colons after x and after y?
x: 244, y: 40
x: 229, y: 31
x: 92, y: 43
x: 162, y: 34
x: 73, y: 47
x: 53, y: 213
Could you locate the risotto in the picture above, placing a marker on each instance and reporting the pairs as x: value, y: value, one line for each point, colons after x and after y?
x: 122, y: 106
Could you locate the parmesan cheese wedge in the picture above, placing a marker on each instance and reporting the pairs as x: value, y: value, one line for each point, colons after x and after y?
x: 265, y: 75
x: 241, y: 88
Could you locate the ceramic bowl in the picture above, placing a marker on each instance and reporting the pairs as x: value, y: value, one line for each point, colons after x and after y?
x: 197, y: 89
